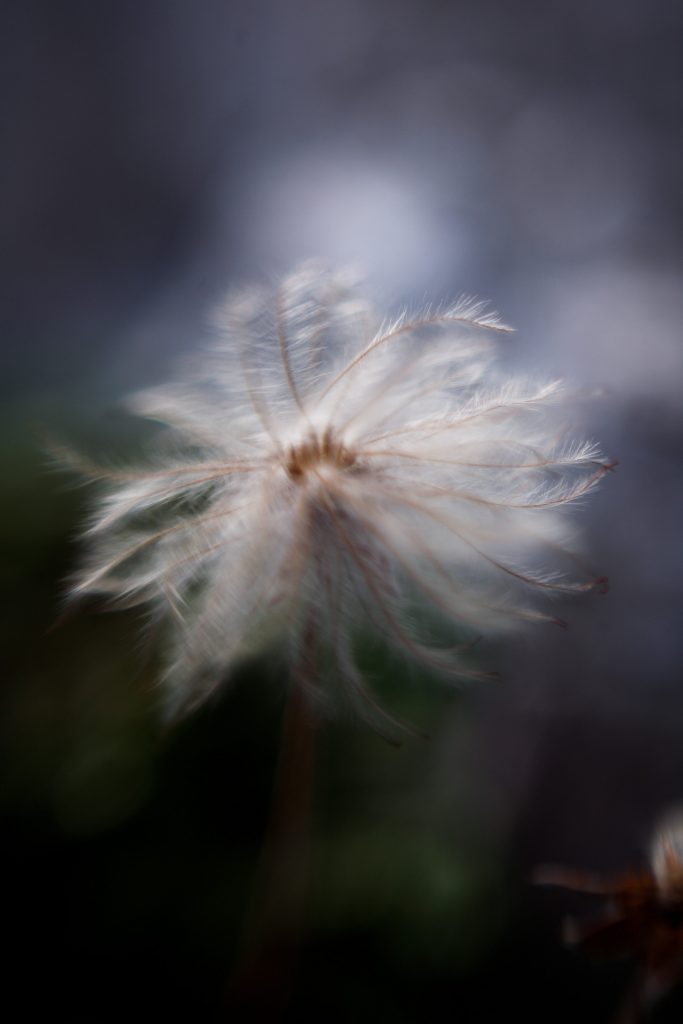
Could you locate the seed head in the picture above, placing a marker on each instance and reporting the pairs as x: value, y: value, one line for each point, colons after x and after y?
x: 324, y: 472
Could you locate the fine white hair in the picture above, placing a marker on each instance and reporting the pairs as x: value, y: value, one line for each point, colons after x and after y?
x: 328, y: 471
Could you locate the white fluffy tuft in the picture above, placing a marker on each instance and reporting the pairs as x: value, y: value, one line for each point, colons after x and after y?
x: 331, y: 471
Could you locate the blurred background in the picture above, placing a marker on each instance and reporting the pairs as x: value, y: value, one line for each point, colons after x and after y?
x: 530, y: 153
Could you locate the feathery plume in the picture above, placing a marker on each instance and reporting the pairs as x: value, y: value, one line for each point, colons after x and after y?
x: 327, y: 472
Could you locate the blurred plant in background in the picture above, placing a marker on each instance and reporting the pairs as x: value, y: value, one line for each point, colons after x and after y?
x: 643, y: 918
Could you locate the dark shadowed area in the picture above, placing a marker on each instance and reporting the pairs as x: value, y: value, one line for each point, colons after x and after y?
x: 155, y: 154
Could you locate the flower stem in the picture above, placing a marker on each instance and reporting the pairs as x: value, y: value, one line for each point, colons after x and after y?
x: 263, y: 978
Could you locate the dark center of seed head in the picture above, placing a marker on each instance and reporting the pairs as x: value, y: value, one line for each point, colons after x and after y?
x: 317, y: 450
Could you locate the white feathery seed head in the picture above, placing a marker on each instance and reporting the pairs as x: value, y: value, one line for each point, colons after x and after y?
x: 328, y: 472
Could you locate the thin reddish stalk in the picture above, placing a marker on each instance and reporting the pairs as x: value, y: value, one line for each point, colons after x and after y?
x: 264, y: 976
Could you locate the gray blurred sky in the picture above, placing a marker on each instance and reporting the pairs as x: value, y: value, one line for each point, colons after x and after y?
x: 530, y: 153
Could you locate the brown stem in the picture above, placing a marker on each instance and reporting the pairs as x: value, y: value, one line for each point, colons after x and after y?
x: 262, y: 980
